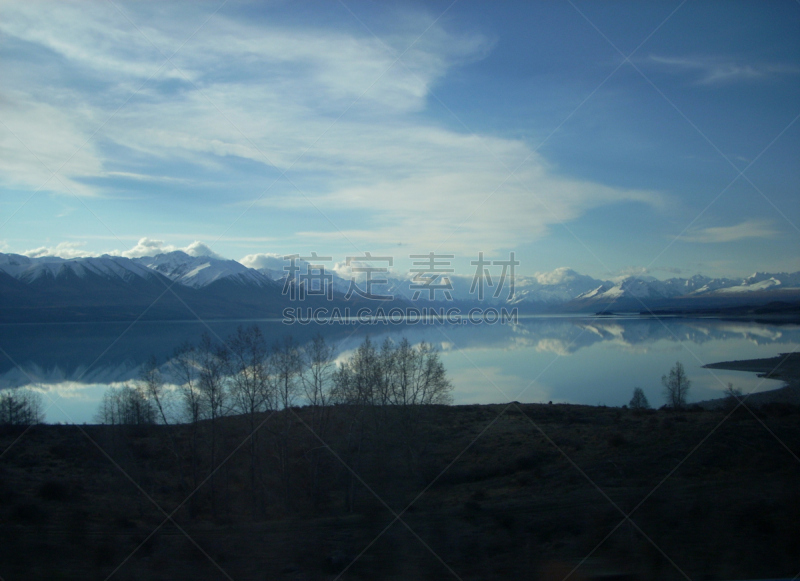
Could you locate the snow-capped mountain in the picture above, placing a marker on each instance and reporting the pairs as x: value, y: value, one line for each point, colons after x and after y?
x: 644, y: 292
x: 29, y: 270
x: 119, y: 288
x: 200, y: 271
x: 632, y: 287
x: 552, y: 288
x: 765, y: 281
x: 341, y: 277
x: 114, y: 286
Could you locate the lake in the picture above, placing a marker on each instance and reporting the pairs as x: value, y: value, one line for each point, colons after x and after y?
x: 585, y: 360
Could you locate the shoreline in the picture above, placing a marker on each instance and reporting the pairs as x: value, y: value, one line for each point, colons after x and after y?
x: 784, y: 367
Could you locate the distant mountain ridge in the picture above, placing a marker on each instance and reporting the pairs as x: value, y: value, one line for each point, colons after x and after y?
x: 200, y: 271
x: 170, y: 283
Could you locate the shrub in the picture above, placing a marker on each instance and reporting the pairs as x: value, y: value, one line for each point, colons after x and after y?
x: 639, y: 400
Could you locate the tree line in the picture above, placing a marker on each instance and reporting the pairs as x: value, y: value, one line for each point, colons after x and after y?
x: 243, y: 375
x: 242, y: 396
x: 20, y: 407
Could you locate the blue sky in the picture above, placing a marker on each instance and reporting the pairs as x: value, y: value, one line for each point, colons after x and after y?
x: 405, y: 128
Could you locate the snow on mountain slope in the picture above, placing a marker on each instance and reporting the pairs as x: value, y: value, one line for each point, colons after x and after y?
x: 557, y: 286
x: 554, y: 288
x: 16, y: 264
x: 29, y: 270
x: 594, y: 293
x: 200, y: 271
x: 641, y: 288
x: 757, y: 286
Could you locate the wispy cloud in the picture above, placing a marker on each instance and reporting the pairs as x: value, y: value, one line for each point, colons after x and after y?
x: 624, y: 273
x: 270, y: 97
x: 446, y: 202
x: 742, y: 231
x: 717, y: 70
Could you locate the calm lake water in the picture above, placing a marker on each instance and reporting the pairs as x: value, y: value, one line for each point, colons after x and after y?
x: 585, y: 360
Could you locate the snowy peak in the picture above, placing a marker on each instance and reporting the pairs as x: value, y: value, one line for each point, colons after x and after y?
x: 14, y: 264
x: 542, y: 290
x: 769, y: 283
x: 108, y: 267
x: 554, y: 287
x: 638, y: 290
x: 201, y: 271
x: 595, y: 292
x: 632, y: 287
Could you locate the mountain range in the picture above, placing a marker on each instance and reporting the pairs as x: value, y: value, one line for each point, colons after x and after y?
x: 177, y: 285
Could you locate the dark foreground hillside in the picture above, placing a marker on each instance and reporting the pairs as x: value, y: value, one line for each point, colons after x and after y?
x: 483, y: 492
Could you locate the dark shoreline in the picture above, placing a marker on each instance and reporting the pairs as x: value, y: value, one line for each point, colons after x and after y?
x: 785, y: 367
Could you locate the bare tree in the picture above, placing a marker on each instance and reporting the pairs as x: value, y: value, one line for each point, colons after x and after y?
x: 317, y: 381
x: 213, y: 362
x: 319, y: 367
x: 388, y: 391
x: 186, y: 371
x: 355, y: 384
x: 249, y: 372
x: 676, y: 386
x: 20, y: 407
x: 417, y: 379
x: 152, y: 386
x: 357, y: 379
x: 413, y: 375
x: 248, y: 367
x: 639, y: 400
x: 286, y: 365
x: 126, y: 405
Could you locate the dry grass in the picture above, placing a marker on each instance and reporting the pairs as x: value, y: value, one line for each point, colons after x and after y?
x: 535, y: 490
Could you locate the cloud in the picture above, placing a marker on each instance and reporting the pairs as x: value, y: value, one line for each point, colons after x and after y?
x: 64, y: 250
x: 712, y: 71
x: 264, y: 260
x: 197, y: 248
x: 145, y: 247
x: 743, y: 231
x: 623, y: 273
x: 38, y: 139
x: 459, y: 195
x: 150, y: 247
x: 558, y: 276
x: 558, y: 346
x: 361, y: 270
x: 333, y: 106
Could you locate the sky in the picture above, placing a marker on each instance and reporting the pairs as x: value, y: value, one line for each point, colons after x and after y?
x: 612, y: 138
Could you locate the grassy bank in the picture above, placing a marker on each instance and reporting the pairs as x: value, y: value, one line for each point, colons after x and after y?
x: 484, y: 492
